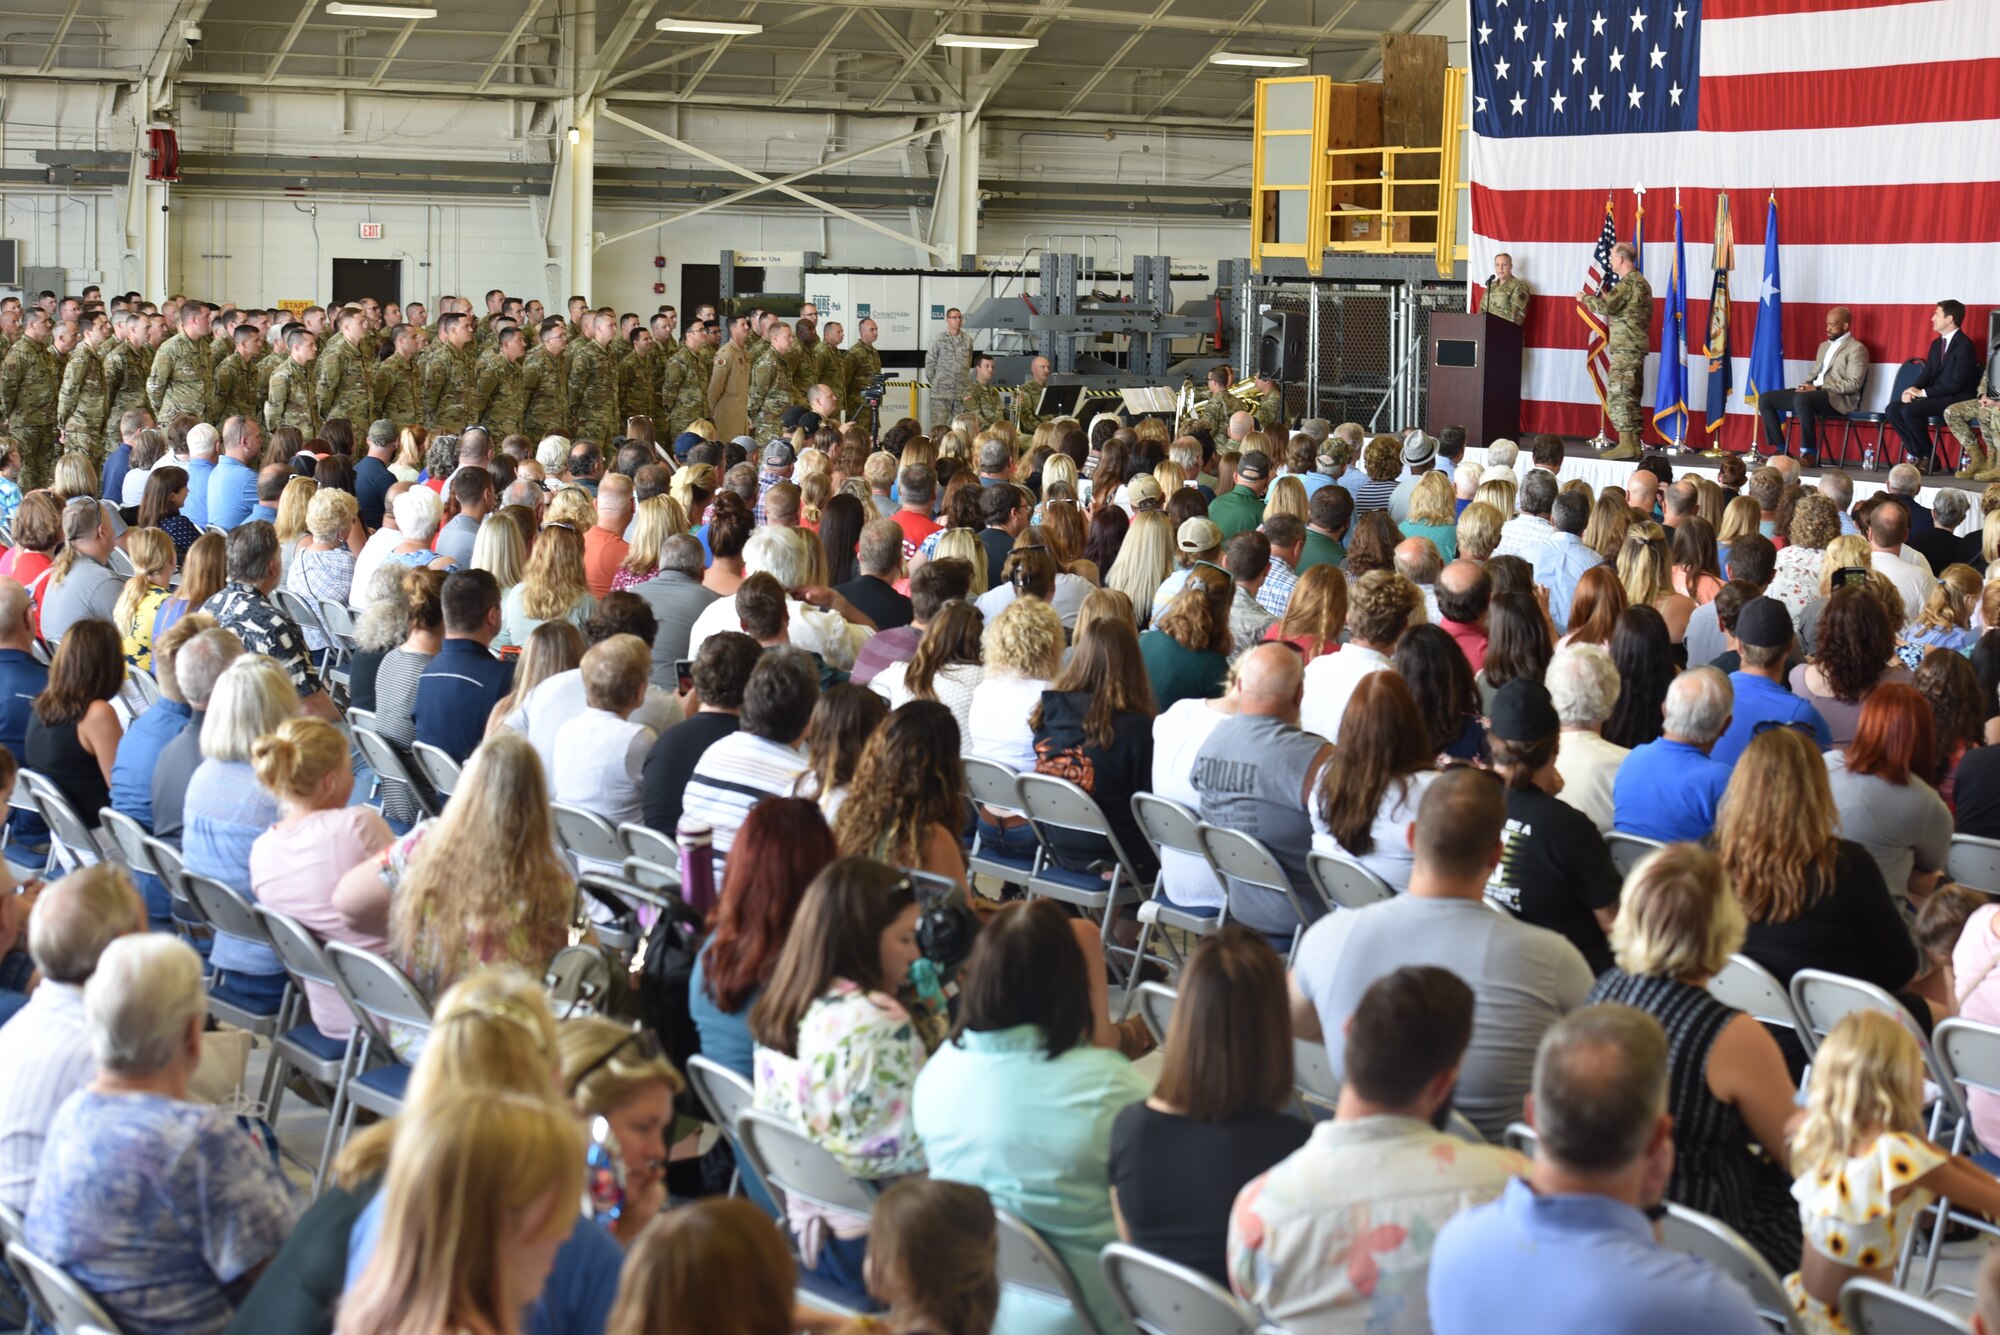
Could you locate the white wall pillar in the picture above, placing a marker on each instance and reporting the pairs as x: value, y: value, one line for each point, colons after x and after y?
x: 965, y: 186
x: 581, y: 180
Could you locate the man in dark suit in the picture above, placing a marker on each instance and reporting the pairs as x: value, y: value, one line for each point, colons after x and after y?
x: 1949, y: 375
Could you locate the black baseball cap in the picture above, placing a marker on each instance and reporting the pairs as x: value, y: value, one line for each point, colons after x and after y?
x: 1522, y: 712
x: 1764, y: 624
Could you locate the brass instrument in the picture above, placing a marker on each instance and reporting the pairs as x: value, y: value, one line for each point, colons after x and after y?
x: 1241, y: 393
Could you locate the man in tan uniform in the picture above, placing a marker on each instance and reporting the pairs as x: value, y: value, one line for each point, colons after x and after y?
x: 729, y: 383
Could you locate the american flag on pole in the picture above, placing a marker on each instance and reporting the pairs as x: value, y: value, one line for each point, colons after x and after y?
x: 1876, y: 123
x: 1596, y: 277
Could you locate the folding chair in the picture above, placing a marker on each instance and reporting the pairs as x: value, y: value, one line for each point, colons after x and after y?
x: 1344, y: 883
x: 303, y: 1047
x: 303, y: 611
x: 1172, y: 831
x: 1029, y: 1265
x: 11, y: 1233
x: 1239, y: 857
x: 166, y: 864
x: 71, y: 843
x: 1312, y: 1075
x: 227, y: 910
x: 726, y: 1096
x: 1059, y: 804
x: 791, y: 1161
x: 652, y: 859
x: 1161, y: 1298
x: 1968, y: 1056
x: 1691, y: 1231
x: 1460, y: 1127
x: 58, y: 1299
x: 380, y: 996
x: 1822, y: 999
x: 621, y: 899
x: 338, y: 619
x: 387, y: 762
x: 1156, y: 1006
x: 438, y: 768
x: 1627, y: 849
x: 1748, y: 986
x: 1521, y: 1138
x: 1871, y: 1307
x: 124, y: 840
x: 143, y: 686
x: 1974, y: 862
x: 991, y: 784
x: 120, y: 563
x: 587, y: 835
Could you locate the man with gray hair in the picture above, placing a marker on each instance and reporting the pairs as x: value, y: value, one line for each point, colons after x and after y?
x: 1417, y: 560
x: 1669, y: 789
x: 996, y: 462
x: 161, y: 1207
x: 45, y: 1047
x: 1583, y: 687
x: 822, y: 622
x: 1901, y: 487
x: 203, y: 441
x: 244, y: 606
x: 873, y: 590
x: 526, y: 492
x: 1838, y: 487
x: 1502, y: 453
x: 1572, y: 1248
x: 678, y: 599
x: 1525, y: 534
x: 1940, y: 544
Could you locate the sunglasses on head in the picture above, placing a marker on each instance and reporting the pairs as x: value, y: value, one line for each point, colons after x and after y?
x: 641, y: 1048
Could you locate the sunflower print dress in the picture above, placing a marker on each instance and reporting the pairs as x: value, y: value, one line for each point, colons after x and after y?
x: 1851, y: 1214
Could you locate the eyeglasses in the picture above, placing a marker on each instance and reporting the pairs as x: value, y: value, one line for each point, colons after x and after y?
x: 648, y: 1053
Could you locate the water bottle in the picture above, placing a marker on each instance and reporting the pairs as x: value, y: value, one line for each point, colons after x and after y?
x: 604, y: 1175
x: 1868, y: 459
x: 697, y: 849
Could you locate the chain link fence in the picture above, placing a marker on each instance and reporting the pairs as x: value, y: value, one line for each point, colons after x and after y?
x: 1363, y: 346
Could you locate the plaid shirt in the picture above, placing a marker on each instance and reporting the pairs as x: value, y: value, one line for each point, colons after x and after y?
x: 765, y: 481
x: 264, y: 629
x: 1276, y: 595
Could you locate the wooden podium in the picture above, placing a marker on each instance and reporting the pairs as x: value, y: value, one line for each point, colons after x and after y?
x: 1475, y: 376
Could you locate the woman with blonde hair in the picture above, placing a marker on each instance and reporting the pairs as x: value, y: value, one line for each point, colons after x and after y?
x: 203, y: 574
x: 321, y: 566
x: 964, y: 544
x: 1145, y: 559
x: 571, y: 508
x: 499, y: 550
x: 1610, y: 517
x: 692, y: 489
x: 1865, y: 1172
x: 814, y: 490
x: 1434, y: 514
x: 1945, y: 620
x: 1676, y: 927
x: 139, y: 602
x: 1058, y: 470
x: 409, y: 464
x: 1022, y: 649
x: 717, y: 1267
x: 1316, y: 613
x: 1479, y: 528
x: 1497, y: 492
x: 1739, y: 517
x: 1645, y: 569
x: 553, y: 647
x: 293, y: 503
x: 658, y: 518
x: 552, y: 588
x: 1287, y: 497
x: 1171, y: 479
x: 619, y: 1072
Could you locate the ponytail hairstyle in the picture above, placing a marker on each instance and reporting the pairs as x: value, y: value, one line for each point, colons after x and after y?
x: 292, y: 762
x: 1952, y: 598
x: 152, y: 553
x: 1198, y: 617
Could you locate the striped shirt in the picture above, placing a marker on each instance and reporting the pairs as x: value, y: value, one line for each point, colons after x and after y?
x: 44, y: 1058
x: 733, y: 775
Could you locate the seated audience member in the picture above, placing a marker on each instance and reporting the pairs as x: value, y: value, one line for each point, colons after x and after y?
x: 1644, y: 659
x: 552, y: 588
x: 322, y: 568
x: 1853, y: 649
x: 296, y: 866
x: 842, y: 723
x: 717, y: 1265
x: 677, y: 598
x: 1865, y: 1171
x: 1583, y: 686
x: 935, y: 586
x: 458, y: 688
x: 140, y: 749
x: 786, y: 843
x: 1380, y: 606
x: 45, y: 1053
x: 1759, y: 698
x: 198, y: 667
x: 1178, y: 736
x: 947, y: 667
x: 1677, y: 926
x: 244, y: 607
x: 1187, y: 651
x: 1463, y: 592
x: 164, y: 1209
x: 880, y: 562
x: 761, y: 757
x: 142, y: 595
x: 1219, y: 1110
x: 828, y: 626
x: 1556, y: 872
x: 600, y: 754
x: 80, y: 584
x: 1595, y: 607
x: 619, y: 1072
x: 73, y: 732
x: 908, y: 798
x: 1753, y: 566
x: 397, y: 678
x: 1880, y: 794
x: 1380, y: 1166
x: 1430, y: 663
x: 1257, y: 773
x: 480, y: 1195
x: 719, y: 674
x: 1094, y: 727
x: 933, y: 1257
x: 1315, y: 614
x: 1523, y: 977
x: 1021, y: 1102
x: 839, y: 1050
x: 541, y: 710
x: 1814, y: 900
x: 1560, y: 560
x: 1569, y: 1249
x: 1022, y: 651
x: 1668, y: 789
x: 1373, y: 781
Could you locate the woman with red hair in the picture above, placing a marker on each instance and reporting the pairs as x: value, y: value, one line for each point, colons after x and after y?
x: 1881, y: 791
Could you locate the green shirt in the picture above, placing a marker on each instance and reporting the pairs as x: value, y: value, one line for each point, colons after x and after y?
x: 1444, y: 535
x: 1238, y: 512
x: 1320, y: 550
x: 1179, y: 673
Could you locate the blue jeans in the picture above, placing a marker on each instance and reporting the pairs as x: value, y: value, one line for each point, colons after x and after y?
x: 838, y: 1273
x: 1018, y: 842
x: 255, y: 987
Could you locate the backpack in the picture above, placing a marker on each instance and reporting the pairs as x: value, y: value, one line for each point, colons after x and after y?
x: 663, y: 974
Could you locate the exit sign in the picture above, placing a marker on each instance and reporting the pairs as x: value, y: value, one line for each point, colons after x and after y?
x: 371, y: 231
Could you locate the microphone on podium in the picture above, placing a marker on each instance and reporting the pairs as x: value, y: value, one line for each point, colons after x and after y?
x: 1490, y: 277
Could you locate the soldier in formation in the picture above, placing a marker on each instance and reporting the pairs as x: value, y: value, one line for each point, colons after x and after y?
x: 771, y: 388
x: 500, y: 395
x: 545, y: 382
x: 289, y: 401
x: 30, y: 385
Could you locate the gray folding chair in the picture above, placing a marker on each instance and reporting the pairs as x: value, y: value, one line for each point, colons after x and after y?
x: 1053, y: 803
x: 338, y: 619
x: 12, y: 1233
x: 1161, y: 1298
x: 124, y: 839
x: 439, y: 769
x: 1627, y: 849
x: 1156, y: 1006
x: 1974, y: 862
x: 1028, y: 1264
x: 59, y: 1300
x: 381, y: 997
x: 71, y: 843
x: 143, y: 686
x: 587, y: 835
x: 1312, y: 1074
x: 1691, y: 1231
x: 1239, y: 857
x: 1968, y: 1056
x: 1172, y: 831
x: 991, y: 784
x: 121, y: 563
x: 227, y: 910
x: 386, y: 759
x: 1521, y: 1138
x: 303, y: 611
x: 1344, y: 883
x: 166, y: 864
x: 1460, y: 1127
x: 786, y: 1158
x: 1748, y: 986
x: 651, y: 858
x: 1874, y: 1308
x: 726, y: 1096
x: 303, y: 1047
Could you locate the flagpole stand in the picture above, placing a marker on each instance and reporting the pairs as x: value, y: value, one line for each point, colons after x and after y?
x: 1600, y: 442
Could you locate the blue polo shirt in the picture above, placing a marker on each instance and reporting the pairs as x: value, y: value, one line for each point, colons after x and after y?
x: 1668, y: 791
x: 199, y: 472
x: 139, y: 753
x: 232, y: 492
x: 1528, y: 1264
x: 1759, y: 703
x: 372, y: 480
x: 456, y: 694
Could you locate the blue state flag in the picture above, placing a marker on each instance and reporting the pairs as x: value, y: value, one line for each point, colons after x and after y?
x: 1767, y: 349
x: 1670, y: 409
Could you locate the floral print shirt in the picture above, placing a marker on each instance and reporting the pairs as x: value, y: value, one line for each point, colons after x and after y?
x: 849, y: 1087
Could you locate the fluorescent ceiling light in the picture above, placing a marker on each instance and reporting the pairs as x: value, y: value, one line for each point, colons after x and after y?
x: 981, y: 42
x: 710, y: 27
x: 353, y: 11
x: 1251, y: 60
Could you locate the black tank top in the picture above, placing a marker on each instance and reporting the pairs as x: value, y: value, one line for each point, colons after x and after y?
x: 54, y: 750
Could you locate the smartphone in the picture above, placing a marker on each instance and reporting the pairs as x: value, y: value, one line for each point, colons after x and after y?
x: 684, y: 673
x: 1850, y: 575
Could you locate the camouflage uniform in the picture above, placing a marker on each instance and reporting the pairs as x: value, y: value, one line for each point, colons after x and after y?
x: 683, y: 391
x: 1026, y: 398
x: 340, y: 384
x: 1628, y: 314
x: 638, y: 387
x: 1982, y: 462
x: 1507, y: 299
x: 802, y: 364
x: 289, y: 400
x: 124, y: 382
x: 1268, y: 411
x: 1216, y: 410
x: 832, y: 371
x: 221, y: 343
x: 948, y: 370
x: 240, y: 388
x: 447, y: 387
x: 770, y: 394
x: 398, y: 390
x: 182, y: 380
x: 29, y: 388
x: 81, y: 405
x: 864, y: 363
x: 983, y: 402
x: 593, y: 393
x: 498, y: 396
x: 544, y: 395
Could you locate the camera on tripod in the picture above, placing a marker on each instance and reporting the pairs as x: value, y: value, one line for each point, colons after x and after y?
x: 872, y: 393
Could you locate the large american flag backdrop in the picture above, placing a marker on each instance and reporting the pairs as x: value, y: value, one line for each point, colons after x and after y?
x: 1876, y: 123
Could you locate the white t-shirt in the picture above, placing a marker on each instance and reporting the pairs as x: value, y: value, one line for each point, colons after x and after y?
x: 1330, y: 682
x: 998, y: 729
x: 1178, y: 736
x: 1390, y: 858
x: 1589, y: 766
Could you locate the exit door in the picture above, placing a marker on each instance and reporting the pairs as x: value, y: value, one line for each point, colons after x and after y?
x: 355, y: 279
